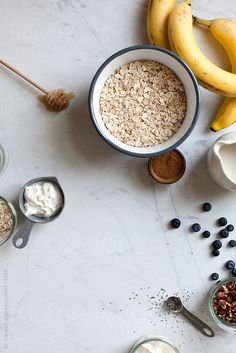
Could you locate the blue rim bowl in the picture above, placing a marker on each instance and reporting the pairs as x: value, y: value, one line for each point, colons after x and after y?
x: 165, y: 57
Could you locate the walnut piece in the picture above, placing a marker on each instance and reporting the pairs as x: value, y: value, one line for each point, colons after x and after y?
x: 224, y: 303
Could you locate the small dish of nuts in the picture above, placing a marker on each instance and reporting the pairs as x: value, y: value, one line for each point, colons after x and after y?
x: 144, y: 101
x: 222, y: 304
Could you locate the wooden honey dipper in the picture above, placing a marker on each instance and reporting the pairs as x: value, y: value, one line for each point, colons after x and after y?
x: 55, y: 100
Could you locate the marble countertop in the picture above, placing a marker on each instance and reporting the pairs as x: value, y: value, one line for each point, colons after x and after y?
x: 95, y: 280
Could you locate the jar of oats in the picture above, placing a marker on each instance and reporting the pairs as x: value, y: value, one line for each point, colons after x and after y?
x: 153, y: 344
x: 8, y: 220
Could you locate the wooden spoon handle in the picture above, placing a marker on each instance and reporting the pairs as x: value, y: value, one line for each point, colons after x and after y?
x: 23, y: 76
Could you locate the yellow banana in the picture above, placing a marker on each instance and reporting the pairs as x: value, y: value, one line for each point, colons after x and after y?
x: 157, y: 21
x: 184, y: 44
x: 224, y: 31
x: 225, y: 116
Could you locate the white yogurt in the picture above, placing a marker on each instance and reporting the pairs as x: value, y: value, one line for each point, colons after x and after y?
x: 42, y: 198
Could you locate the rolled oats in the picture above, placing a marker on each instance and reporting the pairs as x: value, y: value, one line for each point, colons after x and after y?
x: 6, y: 222
x: 143, y: 103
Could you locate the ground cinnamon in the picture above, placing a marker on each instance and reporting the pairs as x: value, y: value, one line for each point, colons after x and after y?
x: 168, y: 168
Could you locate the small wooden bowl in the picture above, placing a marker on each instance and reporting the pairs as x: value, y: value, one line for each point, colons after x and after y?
x: 168, y: 168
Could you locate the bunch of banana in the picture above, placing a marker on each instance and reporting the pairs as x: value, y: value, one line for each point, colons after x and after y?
x: 182, y: 41
x: 157, y: 21
x: 224, y: 31
x: 171, y: 26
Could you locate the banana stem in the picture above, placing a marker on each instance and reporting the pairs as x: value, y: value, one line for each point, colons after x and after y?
x: 201, y: 21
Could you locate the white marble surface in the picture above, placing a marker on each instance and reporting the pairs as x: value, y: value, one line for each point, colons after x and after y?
x: 69, y: 290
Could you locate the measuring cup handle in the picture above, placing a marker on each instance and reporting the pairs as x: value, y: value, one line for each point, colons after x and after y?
x: 21, y: 238
x: 196, y: 322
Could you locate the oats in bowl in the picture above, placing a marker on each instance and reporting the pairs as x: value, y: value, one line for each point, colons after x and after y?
x: 144, y: 116
x: 143, y: 103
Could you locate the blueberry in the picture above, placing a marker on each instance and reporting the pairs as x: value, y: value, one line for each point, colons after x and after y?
x: 232, y: 243
x: 175, y: 223
x: 230, y: 265
x: 222, y: 221
x: 234, y: 272
x: 215, y: 252
x: 207, y: 207
x: 230, y: 228
x: 224, y: 233
x: 215, y: 276
x: 196, y: 227
x: 206, y: 234
x: 217, y: 244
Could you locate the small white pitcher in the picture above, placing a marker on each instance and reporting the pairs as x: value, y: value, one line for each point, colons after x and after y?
x: 222, y: 161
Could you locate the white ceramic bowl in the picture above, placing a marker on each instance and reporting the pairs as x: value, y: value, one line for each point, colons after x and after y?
x: 165, y: 57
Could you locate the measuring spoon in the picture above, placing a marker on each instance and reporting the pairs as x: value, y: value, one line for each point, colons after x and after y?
x: 175, y: 305
x: 21, y: 238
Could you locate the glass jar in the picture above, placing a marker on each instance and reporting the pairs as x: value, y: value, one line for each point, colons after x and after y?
x: 221, y: 323
x: 148, y: 339
x: 3, y: 158
x: 4, y: 238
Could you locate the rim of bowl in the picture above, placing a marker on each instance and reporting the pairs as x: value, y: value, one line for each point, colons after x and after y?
x: 14, y: 218
x: 191, y: 76
x: 221, y: 323
x: 5, y: 155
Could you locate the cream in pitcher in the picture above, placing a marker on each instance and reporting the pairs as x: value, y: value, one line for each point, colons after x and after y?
x: 222, y: 161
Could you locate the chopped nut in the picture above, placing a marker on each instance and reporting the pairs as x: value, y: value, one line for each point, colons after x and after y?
x: 224, y: 303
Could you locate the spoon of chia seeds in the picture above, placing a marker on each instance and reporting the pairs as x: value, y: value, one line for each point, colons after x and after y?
x: 55, y: 100
x: 175, y: 305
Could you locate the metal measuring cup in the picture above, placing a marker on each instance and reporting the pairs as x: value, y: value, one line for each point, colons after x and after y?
x: 21, y: 238
x: 175, y: 305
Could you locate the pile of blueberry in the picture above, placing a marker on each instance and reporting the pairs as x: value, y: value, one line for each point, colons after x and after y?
x: 217, y: 244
